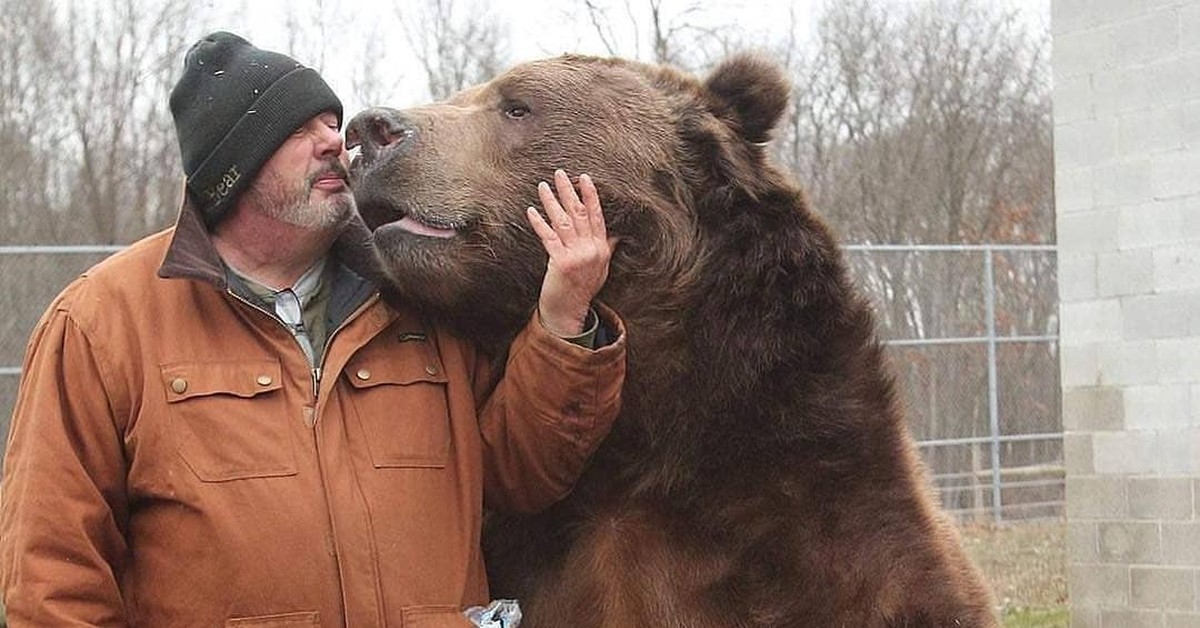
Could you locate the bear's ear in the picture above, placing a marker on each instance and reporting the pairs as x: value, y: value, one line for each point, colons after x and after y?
x: 755, y: 89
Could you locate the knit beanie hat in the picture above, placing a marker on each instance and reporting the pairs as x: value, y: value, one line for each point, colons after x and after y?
x: 233, y: 106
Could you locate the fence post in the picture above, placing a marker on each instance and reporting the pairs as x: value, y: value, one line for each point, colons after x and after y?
x: 989, y: 282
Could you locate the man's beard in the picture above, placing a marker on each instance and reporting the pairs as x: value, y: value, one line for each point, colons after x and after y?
x: 290, y: 202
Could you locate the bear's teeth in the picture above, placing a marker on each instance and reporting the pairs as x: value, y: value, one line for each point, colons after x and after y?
x: 411, y: 225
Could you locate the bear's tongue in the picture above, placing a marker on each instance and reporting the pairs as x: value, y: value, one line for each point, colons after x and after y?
x: 410, y: 225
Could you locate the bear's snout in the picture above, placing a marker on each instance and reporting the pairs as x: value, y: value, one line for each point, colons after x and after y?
x: 376, y: 129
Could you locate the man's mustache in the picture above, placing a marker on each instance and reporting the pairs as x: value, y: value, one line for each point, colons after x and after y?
x: 331, y: 167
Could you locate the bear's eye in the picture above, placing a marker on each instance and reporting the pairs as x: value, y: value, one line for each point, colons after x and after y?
x: 516, y: 111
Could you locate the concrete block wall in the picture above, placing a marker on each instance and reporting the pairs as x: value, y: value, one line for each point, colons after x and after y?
x: 1127, y: 176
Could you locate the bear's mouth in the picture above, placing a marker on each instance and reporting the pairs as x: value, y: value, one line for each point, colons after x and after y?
x: 389, y: 218
x: 427, y: 227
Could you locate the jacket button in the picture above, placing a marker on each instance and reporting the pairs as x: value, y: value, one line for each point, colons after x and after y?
x: 431, y: 369
x: 264, y: 380
x: 179, y: 385
x: 363, y: 374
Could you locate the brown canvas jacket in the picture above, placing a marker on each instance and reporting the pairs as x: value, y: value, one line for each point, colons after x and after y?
x: 171, y: 462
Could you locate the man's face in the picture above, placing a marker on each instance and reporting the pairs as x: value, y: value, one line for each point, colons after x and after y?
x: 304, y: 183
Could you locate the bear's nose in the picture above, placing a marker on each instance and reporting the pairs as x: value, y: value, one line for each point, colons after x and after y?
x: 377, y: 128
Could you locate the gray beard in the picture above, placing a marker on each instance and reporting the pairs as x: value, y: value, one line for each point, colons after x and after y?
x: 292, y: 206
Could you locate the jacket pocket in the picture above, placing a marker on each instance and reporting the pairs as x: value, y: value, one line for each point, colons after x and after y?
x: 229, y: 419
x: 400, y: 401
x: 286, y: 620
x: 433, y: 617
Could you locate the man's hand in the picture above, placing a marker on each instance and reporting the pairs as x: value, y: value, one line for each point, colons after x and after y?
x: 579, y: 249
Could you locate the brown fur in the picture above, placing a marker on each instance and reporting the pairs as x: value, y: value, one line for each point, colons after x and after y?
x: 760, y: 472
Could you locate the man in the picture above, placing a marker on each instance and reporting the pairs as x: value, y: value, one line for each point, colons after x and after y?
x: 223, y: 425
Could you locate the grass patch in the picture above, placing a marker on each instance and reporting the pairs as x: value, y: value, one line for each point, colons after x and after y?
x: 1026, y: 566
x: 1057, y: 617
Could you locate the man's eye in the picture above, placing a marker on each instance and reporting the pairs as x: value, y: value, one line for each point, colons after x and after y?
x: 516, y: 112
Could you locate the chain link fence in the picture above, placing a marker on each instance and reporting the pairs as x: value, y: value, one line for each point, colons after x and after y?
x: 972, y: 334
x: 971, y: 331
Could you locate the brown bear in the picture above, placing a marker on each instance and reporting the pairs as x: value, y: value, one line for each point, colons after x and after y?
x: 760, y: 472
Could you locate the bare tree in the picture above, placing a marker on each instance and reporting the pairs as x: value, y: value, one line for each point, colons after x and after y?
x: 931, y: 124
x: 120, y: 64
x: 31, y: 122
x: 311, y: 35
x: 90, y: 149
x: 369, y: 84
x: 926, y: 125
x: 456, y: 46
x: 916, y: 125
x: 658, y: 31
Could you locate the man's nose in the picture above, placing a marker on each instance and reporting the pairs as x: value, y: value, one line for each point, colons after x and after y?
x: 329, y: 141
x: 378, y: 128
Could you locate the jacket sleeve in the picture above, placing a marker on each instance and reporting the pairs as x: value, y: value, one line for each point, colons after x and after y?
x: 63, y: 506
x: 554, y: 405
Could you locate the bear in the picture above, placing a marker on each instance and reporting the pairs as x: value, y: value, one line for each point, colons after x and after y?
x: 760, y: 472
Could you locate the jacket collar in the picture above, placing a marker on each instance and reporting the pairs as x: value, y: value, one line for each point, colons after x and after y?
x: 192, y: 254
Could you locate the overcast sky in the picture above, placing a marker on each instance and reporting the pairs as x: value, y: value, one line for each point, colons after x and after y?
x: 537, y: 28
